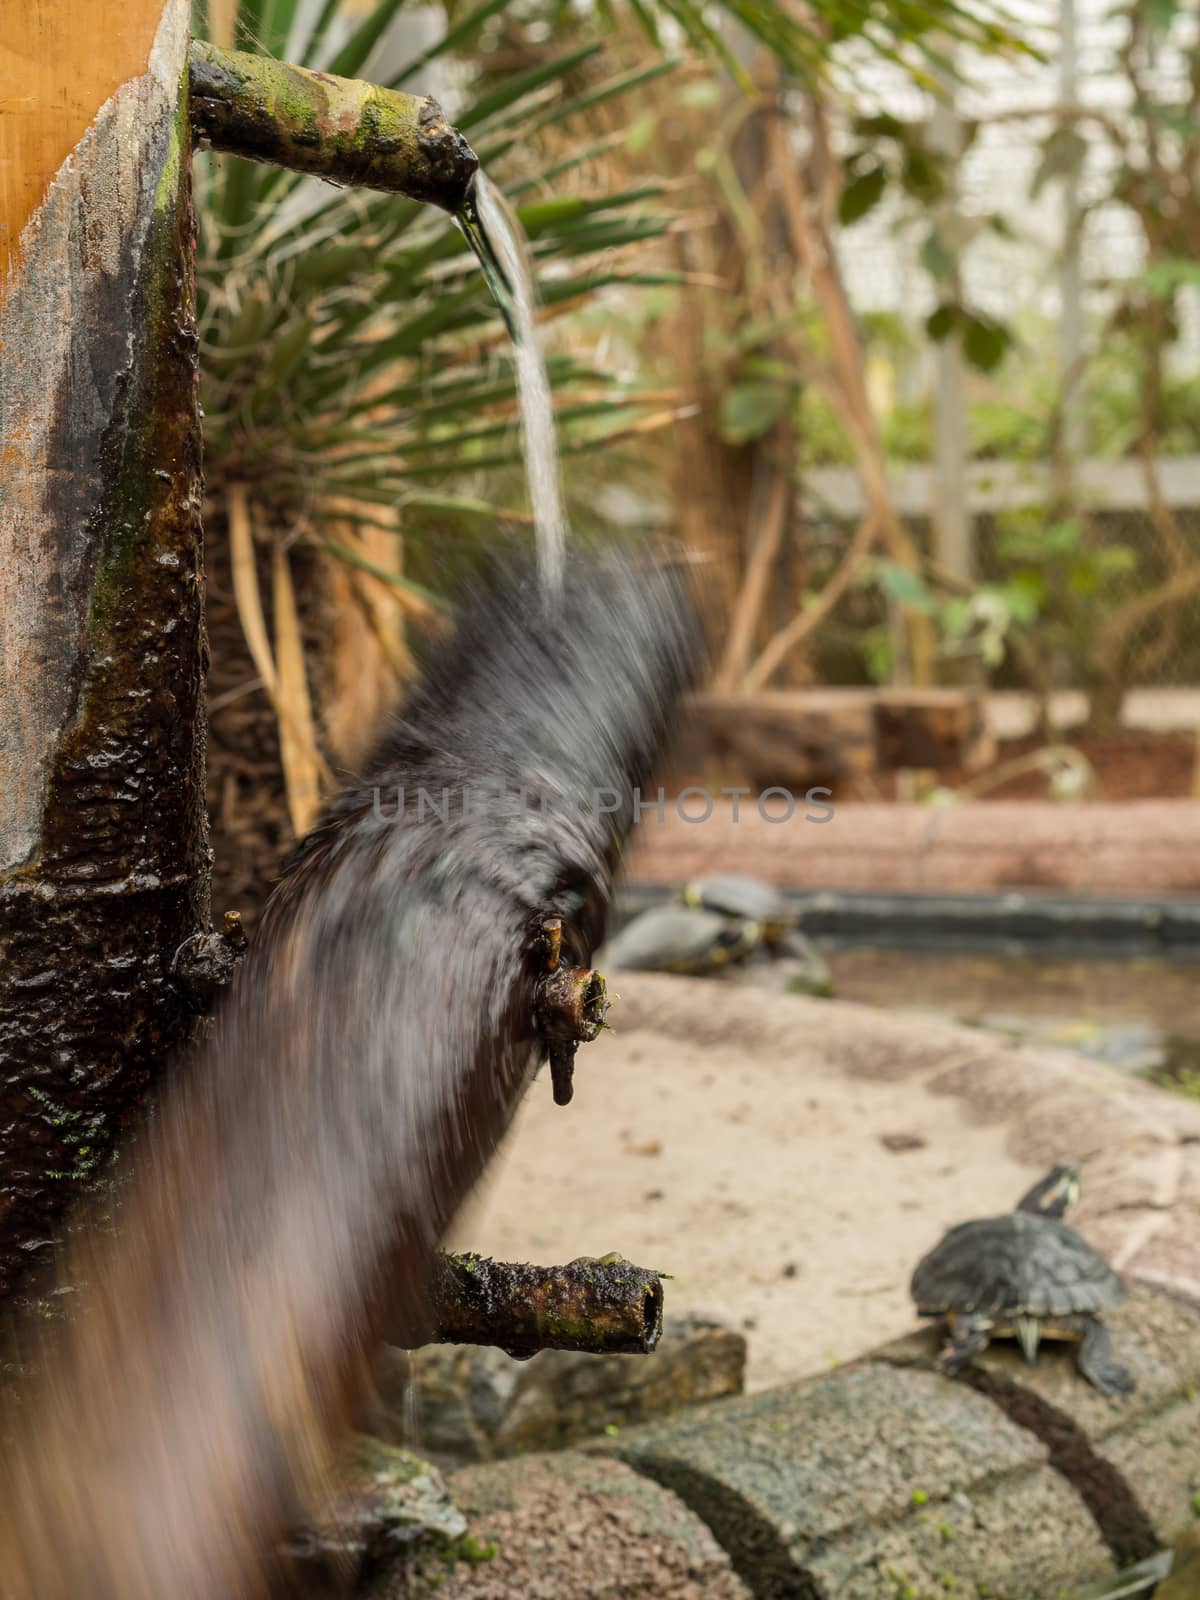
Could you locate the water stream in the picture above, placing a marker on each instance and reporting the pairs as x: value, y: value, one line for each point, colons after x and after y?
x: 496, y: 237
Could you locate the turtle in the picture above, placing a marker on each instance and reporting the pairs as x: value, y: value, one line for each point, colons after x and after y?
x: 739, y: 896
x: 1027, y: 1276
x: 674, y: 938
x: 736, y: 894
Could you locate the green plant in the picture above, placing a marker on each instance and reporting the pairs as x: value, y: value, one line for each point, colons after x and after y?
x: 1065, y: 579
x: 913, y: 33
x: 352, y: 356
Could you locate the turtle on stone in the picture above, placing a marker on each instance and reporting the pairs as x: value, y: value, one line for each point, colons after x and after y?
x: 735, y: 895
x: 1026, y: 1276
x: 673, y: 938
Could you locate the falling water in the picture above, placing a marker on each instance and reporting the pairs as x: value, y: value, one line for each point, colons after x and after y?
x: 495, y: 235
x: 411, y: 1421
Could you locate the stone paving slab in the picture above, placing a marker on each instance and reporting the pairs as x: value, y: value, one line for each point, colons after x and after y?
x: 1020, y: 1539
x: 1135, y: 1458
x: 567, y: 1526
x: 873, y: 1480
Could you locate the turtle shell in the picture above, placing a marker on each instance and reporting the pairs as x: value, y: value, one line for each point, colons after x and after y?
x: 1016, y: 1265
x: 736, y: 894
x: 679, y: 939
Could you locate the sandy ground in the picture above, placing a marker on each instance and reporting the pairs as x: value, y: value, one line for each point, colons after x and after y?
x: 760, y: 1179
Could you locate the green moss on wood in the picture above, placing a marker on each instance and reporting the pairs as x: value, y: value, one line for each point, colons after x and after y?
x: 606, y: 1305
x: 342, y: 129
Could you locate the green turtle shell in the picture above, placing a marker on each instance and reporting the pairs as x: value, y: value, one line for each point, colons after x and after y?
x: 1016, y: 1265
x: 735, y: 894
x: 679, y: 939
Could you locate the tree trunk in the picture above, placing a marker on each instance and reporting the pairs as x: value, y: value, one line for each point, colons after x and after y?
x: 103, y: 854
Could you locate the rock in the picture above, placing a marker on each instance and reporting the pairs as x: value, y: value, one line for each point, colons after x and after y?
x: 557, y: 1527
x: 900, y: 1143
x: 790, y: 964
x: 474, y: 1403
x: 385, y: 1500
x: 873, y: 1482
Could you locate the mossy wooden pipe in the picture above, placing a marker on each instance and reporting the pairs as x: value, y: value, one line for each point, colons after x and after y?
x: 602, y: 1306
x: 341, y: 129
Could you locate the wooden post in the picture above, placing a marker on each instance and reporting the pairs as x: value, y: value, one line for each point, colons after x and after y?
x: 103, y: 858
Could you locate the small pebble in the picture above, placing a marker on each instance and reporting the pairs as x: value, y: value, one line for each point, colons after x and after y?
x: 644, y: 1147
x: 899, y: 1142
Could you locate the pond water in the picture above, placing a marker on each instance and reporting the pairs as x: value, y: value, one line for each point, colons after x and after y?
x: 1137, y: 1016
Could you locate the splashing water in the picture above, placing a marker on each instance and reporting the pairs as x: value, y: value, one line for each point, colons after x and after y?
x: 495, y: 235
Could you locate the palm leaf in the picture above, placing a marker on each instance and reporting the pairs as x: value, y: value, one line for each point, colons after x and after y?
x: 448, y: 43
x: 358, y: 49
x: 313, y: 48
x: 278, y: 21
x: 524, y: 84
